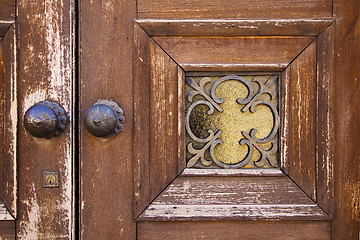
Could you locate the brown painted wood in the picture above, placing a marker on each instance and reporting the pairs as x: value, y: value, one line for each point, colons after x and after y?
x: 158, y: 121
x: 245, y: 9
x: 325, y: 137
x: 180, y: 121
x: 236, y: 198
x: 7, y: 10
x: 284, y: 119
x: 106, y: 31
x: 302, y: 120
x: 141, y: 120
x: 4, y: 27
x: 241, y: 172
x: 234, y: 230
x: 163, y: 124
x: 232, y: 28
x: 345, y: 110
x: 242, y: 52
x: 45, y: 71
x: 7, y: 230
x: 8, y: 167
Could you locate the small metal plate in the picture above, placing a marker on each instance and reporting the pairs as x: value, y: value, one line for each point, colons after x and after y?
x: 50, y: 179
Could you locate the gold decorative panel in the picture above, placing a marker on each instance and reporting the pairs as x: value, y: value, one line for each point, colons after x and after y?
x: 232, y: 121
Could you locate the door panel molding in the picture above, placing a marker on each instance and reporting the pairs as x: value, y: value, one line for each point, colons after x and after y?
x: 233, y: 28
x: 299, y: 69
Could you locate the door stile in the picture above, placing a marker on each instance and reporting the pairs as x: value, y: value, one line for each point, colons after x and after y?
x: 46, y: 65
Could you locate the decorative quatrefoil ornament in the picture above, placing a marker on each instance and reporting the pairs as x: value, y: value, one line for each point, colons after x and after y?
x: 232, y: 121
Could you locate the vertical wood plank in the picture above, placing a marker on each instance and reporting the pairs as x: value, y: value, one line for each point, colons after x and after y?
x: 141, y: 120
x: 46, y: 63
x: 181, y: 120
x: 106, y: 43
x: 325, y: 140
x: 8, y: 180
x: 302, y: 121
x: 284, y: 116
x: 163, y: 124
x: 346, y: 114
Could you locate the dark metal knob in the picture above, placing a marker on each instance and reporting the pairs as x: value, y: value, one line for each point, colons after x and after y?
x: 45, y: 119
x: 104, y: 119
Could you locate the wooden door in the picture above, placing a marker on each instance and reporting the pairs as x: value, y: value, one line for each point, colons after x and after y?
x: 141, y: 54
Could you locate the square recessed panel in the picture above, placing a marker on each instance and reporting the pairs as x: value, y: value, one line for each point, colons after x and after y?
x: 232, y: 120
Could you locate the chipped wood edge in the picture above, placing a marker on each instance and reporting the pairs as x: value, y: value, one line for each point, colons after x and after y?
x: 5, y: 214
x: 253, y: 212
x: 10, y: 120
x: 234, y: 67
x: 193, y: 172
x: 4, y: 26
x: 223, y: 27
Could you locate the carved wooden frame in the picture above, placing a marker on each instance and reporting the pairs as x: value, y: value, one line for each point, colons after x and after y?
x: 160, y: 63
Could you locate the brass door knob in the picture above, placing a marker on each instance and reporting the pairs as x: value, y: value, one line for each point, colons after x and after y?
x: 45, y: 119
x: 104, y: 119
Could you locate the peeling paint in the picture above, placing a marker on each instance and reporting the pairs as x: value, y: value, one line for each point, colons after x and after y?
x: 30, y: 228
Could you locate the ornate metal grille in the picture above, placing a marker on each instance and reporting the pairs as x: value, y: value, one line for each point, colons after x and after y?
x: 232, y: 121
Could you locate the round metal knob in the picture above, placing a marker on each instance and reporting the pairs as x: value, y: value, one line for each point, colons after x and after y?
x: 45, y: 120
x: 104, y: 119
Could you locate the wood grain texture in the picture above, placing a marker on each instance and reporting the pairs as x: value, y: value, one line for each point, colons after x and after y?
x: 141, y: 120
x: 325, y: 137
x: 232, y: 28
x: 284, y: 119
x: 241, y: 172
x: 234, y: 230
x: 4, y: 26
x: 232, y: 9
x: 45, y: 71
x: 302, y: 121
x: 8, y: 135
x: 346, y: 114
x: 106, y: 165
x: 7, y: 10
x: 159, y: 127
x: 236, y: 198
x: 7, y: 230
x: 4, y: 213
x: 235, y: 51
x: 163, y: 124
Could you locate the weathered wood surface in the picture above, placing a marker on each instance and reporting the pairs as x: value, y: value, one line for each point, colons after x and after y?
x: 232, y: 28
x: 163, y: 124
x: 192, y: 172
x: 284, y: 118
x: 7, y: 10
x: 46, y: 71
x: 8, y: 134
x: 4, y: 27
x: 141, y: 121
x: 345, y: 109
x: 302, y: 104
x: 234, y: 9
x: 222, y: 53
x: 7, y: 230
x: 4, y: 213
x: 325, y: 122
x: 234, y: 230
x: 236, y: 198
x: 106, y: 36
x: 158, y: 120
